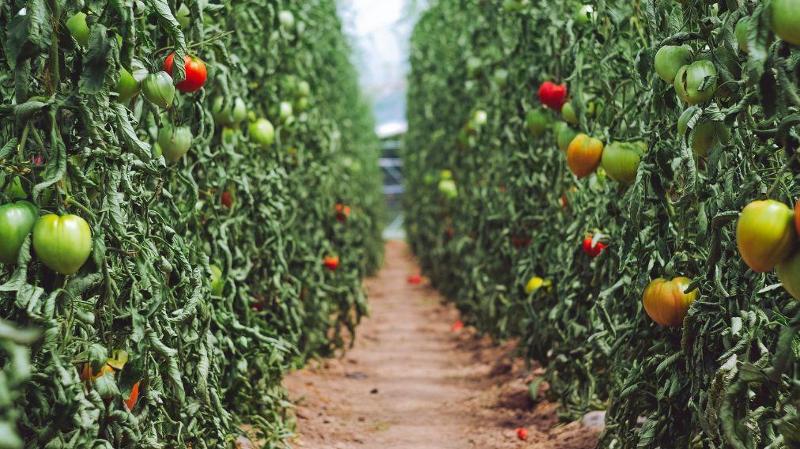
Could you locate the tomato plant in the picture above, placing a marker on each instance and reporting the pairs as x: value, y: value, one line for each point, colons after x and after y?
x: 196, y: 73
x: 765, y: 234
x: 63, y: 243
x: 584, y: 154
x: 667, y: 301
x: 16, y: 223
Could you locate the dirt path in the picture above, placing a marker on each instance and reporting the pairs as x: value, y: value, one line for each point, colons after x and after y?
x: 413, y: 382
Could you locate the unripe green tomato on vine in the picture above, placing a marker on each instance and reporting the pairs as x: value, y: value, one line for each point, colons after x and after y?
x: 78, y: 28
x: 515, y: 5
x: 568, y: 113
x: 669, y: 59
x: 564, y: 135
x: 621, y: 160
x: 16, y: 222
x: 537, y: 122
x: 286, y: 111
x: 286, y: 18
x: 174, y: 141
x: 216, y: 280
x: 158, y: 88
x: 448, y: 188
x: 262, y: 132
x: 697, y: 82
x: 740, y: 32
x: 785, y: 16
x: 765, y: 234
x: 127, y: 86
x: 63, y: 243
x: 584, y: 15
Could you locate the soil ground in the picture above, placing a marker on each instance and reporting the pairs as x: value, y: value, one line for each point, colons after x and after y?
x: 415, y: 381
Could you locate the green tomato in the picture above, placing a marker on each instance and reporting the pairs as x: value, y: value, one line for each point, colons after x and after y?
x: 127, y: 86
x: 537, y: 122
x: 786, y: 20
x: 445, y: 174
x: 262, y: 132
x: 765, y: 234
x: 564, y: 135
x: 514, y: 5
x: 697, y: 82
x: 584, y: 15
x: 705, y: 134
x: 286, y: 111
x: 156, y: 151
x: 448, y: 188
x: 228, y: 115
x: 174, y: 141
x: 217, y: 282
x: 501, y: 77
x: 301, y: 104
x: 568, y: 113
x: 16, y: 222
x: 239, y: 111
x: 740, y: 32
x: 788, y: 272
x: 63, y: 243
x: 159, y: 89
x: 303, y: 89
x: 621, y: 160
x: 669, y: 60
x: 78, y: 28
x: 286, y: 18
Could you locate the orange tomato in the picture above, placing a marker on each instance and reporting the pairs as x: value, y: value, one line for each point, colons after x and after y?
x: 667, y: 302
x: 583, y: 155
x: 131, y: 401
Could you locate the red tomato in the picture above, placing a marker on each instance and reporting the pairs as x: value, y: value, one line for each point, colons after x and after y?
x: 342, y: 212
x: 131, y: 401
x: 195, y: 72
x: 520, y: 241
x: 331, y: 262
x: 414, y: 279
x: 226, y: 199
x: 457, y: 326
x: 522, y: 433
x: 593, y: 251
x: 553, y: 95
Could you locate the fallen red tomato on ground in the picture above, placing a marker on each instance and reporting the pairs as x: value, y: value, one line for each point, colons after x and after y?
x: 342, y: 212
x: 457, y: 326
x: 593, y: 250
x: 522, y: 433
x: 553, y: 95
x: 331, y: 262
x: 196, y: 73
x: 414, y: 279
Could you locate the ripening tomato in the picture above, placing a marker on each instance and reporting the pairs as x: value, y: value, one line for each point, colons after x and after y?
x: 667, y: 302
x: 174, y: 141
x: 697, y: 82
x: 797, y: 216
x: 158, y: 88
x: 63, y: 243
x: 583, y: 155
x: 262, y: 132
x: 536, y: 121
x: 621, y: 160
x: 88, y: 374
x: 16, y: 222
x: 553, y: 95
x: 568, y: 113
x: 765, y: 234
x: 331, y: 262
x: 78, y: 28
x: 786, y: 20
x: 535, y: 283
x: 669, y: 59
x: 564, y: 135
x: 196, y: 73
x: 592, y: 250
